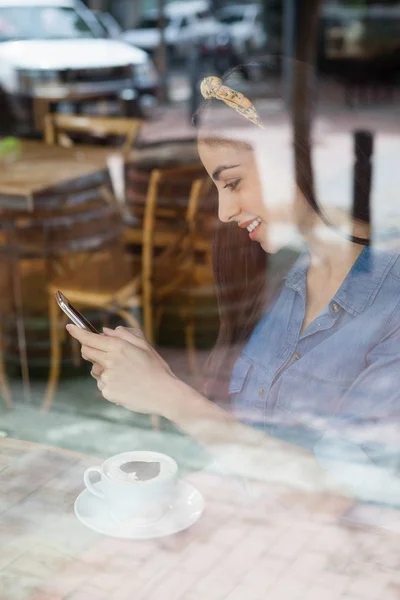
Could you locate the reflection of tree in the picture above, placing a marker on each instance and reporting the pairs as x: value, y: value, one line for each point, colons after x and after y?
x: 303, y: 90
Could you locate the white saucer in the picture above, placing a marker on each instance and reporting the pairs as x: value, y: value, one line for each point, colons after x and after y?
x: 185, y: 510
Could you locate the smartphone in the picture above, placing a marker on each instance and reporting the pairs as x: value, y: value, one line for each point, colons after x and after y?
x: 73, y: 314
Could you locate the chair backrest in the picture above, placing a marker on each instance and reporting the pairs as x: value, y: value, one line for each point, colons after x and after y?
x: 57, y: 126
x: 48, y: 243
x: 173, y: 191
x: 180, y: 247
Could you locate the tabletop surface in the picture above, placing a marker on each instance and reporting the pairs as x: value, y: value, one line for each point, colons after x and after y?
x: 252, y: 542
x: 39, y: 167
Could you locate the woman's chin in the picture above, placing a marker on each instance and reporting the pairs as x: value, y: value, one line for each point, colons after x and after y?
x: 271, y: 245
x: 279, y: 237
x: 270, y: 248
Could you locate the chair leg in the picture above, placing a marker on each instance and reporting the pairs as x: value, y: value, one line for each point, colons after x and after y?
x: 188, y: 317
x: 76, y: 352
x: 55, y: 354
x: 148, y: 324
x: 149, y: 333
x: 5, y: 390
x: 157, y: 319
x: 130, y: 319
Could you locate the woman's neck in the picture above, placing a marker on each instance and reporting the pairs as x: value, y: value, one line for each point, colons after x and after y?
x: 331, y: 256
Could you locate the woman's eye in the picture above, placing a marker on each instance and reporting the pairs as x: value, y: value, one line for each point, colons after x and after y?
x: 232, y: 185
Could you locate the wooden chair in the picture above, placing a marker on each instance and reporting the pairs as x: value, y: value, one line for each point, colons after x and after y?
x: 34, y: 247
x: 57, y: 127
x: 116, y: 283
x: 173, y: 191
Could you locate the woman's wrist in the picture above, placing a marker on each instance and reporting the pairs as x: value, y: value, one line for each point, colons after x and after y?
x: 184, y: 403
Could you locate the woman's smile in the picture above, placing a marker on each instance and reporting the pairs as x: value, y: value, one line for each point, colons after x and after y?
x: 252, y: 227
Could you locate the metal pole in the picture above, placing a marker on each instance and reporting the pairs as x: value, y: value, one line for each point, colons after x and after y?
x: 362, y: 182
x: 289, y: 30
x: 162, y: 62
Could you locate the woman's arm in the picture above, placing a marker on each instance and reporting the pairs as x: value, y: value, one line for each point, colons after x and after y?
x: 243, y: 450
x: 132, y: 374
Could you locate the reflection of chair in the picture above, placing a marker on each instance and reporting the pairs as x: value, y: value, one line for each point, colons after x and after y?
x: 111, y: 282
x: 175, y: 218
x: 33, y: 247
x: 172, y: 193
x: 57, y: 127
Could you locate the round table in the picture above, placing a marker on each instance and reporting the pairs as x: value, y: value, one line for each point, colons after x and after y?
x: 253, y: 541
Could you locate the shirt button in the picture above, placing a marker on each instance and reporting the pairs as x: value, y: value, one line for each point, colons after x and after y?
x: 261, y: 392
x: 335, y: 307
x: 296, y: 356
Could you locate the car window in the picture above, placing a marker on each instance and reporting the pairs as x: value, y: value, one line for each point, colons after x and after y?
x: 43, y: 23
x: 229, y: 18
x: 151, y: 22
x: 203, y: 14
x: 111, y: 24
x: 102, y: 24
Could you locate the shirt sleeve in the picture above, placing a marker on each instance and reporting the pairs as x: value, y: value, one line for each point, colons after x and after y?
x: 362, y: 448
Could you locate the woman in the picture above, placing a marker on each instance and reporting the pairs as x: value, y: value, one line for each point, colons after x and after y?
x: 307, y: 361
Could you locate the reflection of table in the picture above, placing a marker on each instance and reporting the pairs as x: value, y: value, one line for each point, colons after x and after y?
x: 53, y: 201
x: 252, y: 542
x: 41, y: 172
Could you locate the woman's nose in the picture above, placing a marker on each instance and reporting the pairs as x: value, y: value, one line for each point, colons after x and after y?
x: 227, y: 211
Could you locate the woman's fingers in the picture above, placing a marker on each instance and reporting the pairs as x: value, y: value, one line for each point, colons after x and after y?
x: 87, y: 338
x: 133, y: 336
x: 96, y: 371
x: 94, y: 356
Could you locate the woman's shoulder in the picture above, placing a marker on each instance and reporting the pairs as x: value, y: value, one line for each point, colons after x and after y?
x: 387, y: 290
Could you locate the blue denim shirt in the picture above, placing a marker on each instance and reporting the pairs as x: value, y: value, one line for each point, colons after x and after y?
x: 335, y: 388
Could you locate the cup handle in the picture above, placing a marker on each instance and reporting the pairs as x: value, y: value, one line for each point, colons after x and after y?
x: 89, y: 484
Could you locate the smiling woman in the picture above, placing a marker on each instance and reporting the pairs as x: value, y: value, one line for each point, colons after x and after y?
x: 304, y: 377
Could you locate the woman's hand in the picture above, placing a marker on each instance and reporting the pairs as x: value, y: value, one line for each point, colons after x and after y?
x: 128, y: 370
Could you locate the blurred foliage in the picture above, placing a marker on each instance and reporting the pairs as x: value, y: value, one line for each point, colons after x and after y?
x: 10, y: 148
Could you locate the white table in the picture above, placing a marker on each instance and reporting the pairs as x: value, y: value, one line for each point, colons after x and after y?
x: 251, y: 543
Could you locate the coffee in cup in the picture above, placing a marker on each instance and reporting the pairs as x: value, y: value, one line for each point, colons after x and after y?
x: 136, y: 485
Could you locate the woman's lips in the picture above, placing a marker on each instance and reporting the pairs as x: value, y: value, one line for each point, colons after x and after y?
x: 253, y: 234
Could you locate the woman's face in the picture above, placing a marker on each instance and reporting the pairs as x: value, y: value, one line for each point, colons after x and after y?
x: 241, y: 199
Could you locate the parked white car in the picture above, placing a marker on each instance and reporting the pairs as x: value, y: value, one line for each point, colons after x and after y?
x: 245, y: 25
x: 53, y: 56
x: 185, y: 22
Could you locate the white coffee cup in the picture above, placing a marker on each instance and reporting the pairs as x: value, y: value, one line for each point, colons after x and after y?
x: 129, y: 497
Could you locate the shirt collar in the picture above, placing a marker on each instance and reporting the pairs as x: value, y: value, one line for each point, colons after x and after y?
x: 362, y: 283
x: 298, y: 272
